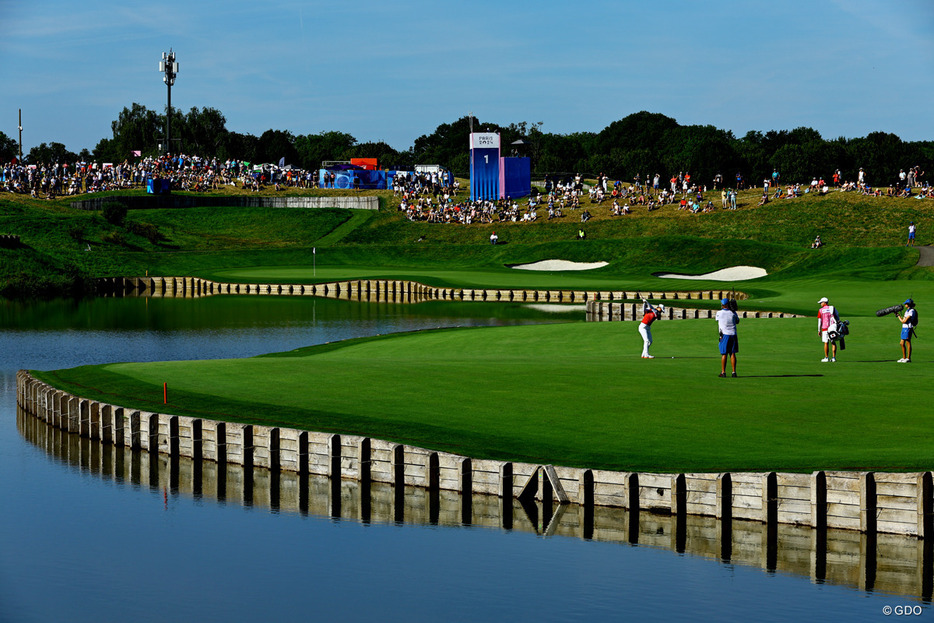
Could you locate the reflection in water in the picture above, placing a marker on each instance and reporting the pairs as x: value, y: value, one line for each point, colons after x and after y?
x: 884, y: 563
x: 245, y: 312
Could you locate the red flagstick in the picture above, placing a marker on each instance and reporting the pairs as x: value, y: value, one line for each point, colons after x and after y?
x: 165, y: 394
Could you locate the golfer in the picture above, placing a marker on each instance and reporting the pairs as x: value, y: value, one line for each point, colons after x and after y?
x: 649, y: 315
x: 909, y: 320
x: 827, y: 319
x: 911, y: 234
x: 729, y: 342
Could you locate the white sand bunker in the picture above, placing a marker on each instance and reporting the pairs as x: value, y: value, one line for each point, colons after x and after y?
x: 733, y: 273
x: 554, y: 308
x: 560, y: 265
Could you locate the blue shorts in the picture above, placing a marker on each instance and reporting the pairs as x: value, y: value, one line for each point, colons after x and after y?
x: 906, y: 335
x: 911, y: 235
x: 729, y: 344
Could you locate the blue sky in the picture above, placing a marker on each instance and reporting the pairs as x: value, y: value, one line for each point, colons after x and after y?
x: 393, y: 71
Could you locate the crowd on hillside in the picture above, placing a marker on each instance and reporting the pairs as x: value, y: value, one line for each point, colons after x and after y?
x: 429, y: 197
x: 423, y: 201
x: 418, y: 183
x: 186, y: 173
x: 908, y: 185
x: 441, y: 205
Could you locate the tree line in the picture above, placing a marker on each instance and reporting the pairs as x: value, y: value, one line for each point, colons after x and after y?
x: 642, y: 144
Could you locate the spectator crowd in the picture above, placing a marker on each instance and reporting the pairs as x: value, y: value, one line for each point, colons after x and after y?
x: 186, y: 173
x: 431, y: 197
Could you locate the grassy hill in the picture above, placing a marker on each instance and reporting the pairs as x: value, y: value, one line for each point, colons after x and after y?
x: 62, y: 248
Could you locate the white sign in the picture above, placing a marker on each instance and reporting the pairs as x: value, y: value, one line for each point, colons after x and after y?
x: 484, y: 140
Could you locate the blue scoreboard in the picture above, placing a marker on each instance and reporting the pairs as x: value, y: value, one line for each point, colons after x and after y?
x: 485, y: 166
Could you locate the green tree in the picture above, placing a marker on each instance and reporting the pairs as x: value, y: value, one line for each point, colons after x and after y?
x: 276, y: 144
x: 563, y: 154
x: 50, y: 154
x: 236, y: 146
x: 531, y: 134
x: 107, y: 150
x: 313, y: 149
x: 702, y: 151
x: 790, y: 162
x: 879, y: 154
x: 205, y: 130
x: 386, y: 156
x: 627, y: 163
x: 803, y: 136
x: 753, y: 160
x: 450, y: 143
x: 135, y: 129
x: 641, y: 130
x: 447, y: 141
x: 9, y: 148
x: 773, y: 140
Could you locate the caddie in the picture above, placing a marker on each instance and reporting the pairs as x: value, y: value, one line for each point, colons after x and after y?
x: 827, y: 319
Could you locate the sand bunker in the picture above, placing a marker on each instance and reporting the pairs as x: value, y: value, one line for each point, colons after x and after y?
x: 733, y: 273
x: 560, y: 265
x: 554, y: 308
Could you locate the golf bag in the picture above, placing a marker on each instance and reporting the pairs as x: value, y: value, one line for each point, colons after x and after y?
x: 839, y: 333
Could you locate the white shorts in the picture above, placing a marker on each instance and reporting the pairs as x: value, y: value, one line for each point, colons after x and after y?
x: 824, y: 336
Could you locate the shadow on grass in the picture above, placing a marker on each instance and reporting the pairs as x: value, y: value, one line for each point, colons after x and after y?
x: 777, y: 376
x: 879, y: 361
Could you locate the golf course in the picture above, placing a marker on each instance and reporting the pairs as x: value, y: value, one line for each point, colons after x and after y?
x: 569, y: 393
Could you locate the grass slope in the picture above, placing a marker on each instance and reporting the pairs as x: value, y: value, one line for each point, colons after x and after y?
x: 64, y: 247
x: 573, y: 394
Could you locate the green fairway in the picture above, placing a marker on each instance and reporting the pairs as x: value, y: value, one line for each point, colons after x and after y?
x: 575, y: 394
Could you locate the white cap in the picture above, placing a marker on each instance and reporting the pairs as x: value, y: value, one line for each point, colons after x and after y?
x: 823, y: 300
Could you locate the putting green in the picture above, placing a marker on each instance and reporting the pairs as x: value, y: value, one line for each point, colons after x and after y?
x: 575, y: 394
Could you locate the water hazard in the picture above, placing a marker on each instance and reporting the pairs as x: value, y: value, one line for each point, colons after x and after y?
x: 888, y: 563
x: 92, y: 532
